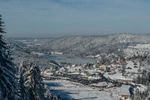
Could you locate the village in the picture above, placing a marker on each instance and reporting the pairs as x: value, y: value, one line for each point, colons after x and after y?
x: 106, y: 76
x: 118, y: 78
x: 74, y: 50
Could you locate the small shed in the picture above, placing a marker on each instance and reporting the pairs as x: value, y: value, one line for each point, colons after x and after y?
x: 125, y: 91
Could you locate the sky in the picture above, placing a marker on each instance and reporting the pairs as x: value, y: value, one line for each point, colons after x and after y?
x: 57, y: 18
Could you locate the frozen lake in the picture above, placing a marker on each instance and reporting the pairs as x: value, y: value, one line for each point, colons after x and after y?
x: 72, y: 60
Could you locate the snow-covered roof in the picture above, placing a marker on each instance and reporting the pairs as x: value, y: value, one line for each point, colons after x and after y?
x: 125, y: 90
x: 131, y: 65
x: 99, y: 84
x: 117, y: 76
x: 71, y: 70
x: 92, y: 78
x: 92, y: 71
x: 102, y: 84
x: 62, y: 69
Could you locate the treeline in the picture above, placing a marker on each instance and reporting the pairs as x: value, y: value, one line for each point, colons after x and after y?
x: 22, y: 84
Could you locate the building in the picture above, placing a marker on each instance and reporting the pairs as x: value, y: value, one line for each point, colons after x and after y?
x: 125, y: 91
x: 102, y: 84
x: 102, y: 67
x: 132, y: 68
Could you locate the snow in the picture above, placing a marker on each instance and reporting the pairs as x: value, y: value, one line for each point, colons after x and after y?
x: 117, y: 76
x: 38, y: 53
x: 91, y: 71
x: 92, y: 78
x: 70, y: 90
x: 131, y: 65
x: 47, y: 74
x: 102, y: 84
x: 125, y: 89
x: 142, y: 88
x: 140, y: 48
x: 55, y: 52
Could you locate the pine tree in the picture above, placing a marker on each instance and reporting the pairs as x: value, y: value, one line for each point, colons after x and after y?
x: 30, y: 80
x: 36, y: 87
x: 22, y: 89
x: 140, y: 95
x: 8, y: 84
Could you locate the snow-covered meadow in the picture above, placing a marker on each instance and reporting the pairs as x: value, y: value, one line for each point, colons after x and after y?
x: 76, y: 91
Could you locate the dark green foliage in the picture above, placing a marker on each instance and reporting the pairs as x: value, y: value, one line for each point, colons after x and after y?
x: 32, y: 86
x: 1, y: 25
x: 7, y: 71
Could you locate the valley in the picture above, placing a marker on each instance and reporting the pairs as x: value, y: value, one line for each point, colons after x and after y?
x: 97, y: 64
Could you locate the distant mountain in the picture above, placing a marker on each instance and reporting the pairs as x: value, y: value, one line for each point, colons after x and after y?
x: 86, y: 45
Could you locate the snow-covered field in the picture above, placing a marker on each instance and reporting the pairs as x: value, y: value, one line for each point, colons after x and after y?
x: 71, y: 90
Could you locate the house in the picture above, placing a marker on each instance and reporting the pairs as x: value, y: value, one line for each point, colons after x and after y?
x: 102, y: 67
x: 131, y: 67
x: 122, y: 62
x: 135, y: 63
x: 118, y: 77
x: 111, y: 73
x: 124, y: 80
x: 135, y: 67
x: 102, y: 84
x: 125, y: 91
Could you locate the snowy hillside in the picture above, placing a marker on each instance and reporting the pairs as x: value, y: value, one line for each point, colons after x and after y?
x: 139, y: 49
x: 86, y: 45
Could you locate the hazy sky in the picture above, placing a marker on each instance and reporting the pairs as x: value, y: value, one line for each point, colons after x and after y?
x: 55, y: 18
